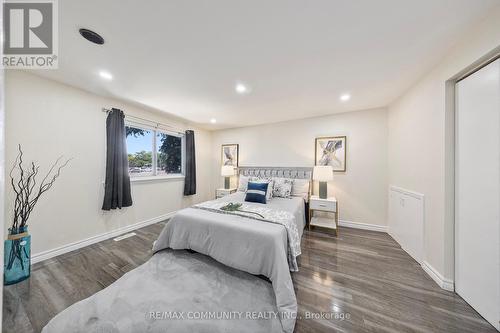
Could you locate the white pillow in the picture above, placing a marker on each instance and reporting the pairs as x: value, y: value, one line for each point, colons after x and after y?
x: 269, y: 181
x: 243, y: 183
x: 300, y: 188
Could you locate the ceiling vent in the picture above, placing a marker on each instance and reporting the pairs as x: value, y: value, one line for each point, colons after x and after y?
x: 91, y: 36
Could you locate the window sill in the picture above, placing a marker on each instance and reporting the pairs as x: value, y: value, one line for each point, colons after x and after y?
x: 155, y: 178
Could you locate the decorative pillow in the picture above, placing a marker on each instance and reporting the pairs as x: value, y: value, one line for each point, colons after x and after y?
x: 243, y: 183
x: 270, y: 181
x: 256, y: 192
x: 300, y: 188
x: 282, y: 187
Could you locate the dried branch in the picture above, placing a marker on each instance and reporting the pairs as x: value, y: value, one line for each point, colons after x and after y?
x: 27, y: 190
x: 17, y: 201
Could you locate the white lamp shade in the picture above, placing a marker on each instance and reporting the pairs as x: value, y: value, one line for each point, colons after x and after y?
x: 227, y: 170
x: 323, y: 173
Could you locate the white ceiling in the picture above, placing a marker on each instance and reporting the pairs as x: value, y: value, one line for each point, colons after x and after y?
x: 298, y: 56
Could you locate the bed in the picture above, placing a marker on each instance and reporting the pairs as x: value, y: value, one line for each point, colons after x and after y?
x: 254, y: 245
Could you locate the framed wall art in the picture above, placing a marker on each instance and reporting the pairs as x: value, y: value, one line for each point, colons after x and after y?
x: 331, y: 151
x: 229, y: 153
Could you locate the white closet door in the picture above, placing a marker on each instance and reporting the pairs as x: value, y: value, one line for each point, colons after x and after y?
x: 477, y: 191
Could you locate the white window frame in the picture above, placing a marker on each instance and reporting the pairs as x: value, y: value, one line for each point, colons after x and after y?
x: 155, y: 176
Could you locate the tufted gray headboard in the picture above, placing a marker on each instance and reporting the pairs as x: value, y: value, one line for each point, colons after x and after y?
x: 282, y: 172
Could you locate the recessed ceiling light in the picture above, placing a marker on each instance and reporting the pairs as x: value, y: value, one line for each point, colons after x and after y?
x: 241, y: 88
x: 213, y: 120
x: 106, y: 75
x: 345, y: 97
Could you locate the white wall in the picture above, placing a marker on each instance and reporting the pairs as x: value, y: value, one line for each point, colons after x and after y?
x: 50, y: 119
x: 361, y: 190
x: 420, y: 140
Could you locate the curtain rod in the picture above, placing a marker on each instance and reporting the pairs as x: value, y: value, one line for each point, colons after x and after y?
x: 158, y: 124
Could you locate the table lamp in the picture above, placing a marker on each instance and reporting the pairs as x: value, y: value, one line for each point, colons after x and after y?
x: 323, y: 174
x: 227, y: 171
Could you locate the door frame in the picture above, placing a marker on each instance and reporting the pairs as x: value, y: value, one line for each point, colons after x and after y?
x: 450, y: 160
x: 451, y: 123
x: 456, y: 162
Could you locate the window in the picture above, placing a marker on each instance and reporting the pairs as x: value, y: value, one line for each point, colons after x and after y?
x: 154, y: 152
x: 168, y: 154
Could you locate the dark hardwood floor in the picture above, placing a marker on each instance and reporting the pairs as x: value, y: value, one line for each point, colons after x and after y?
x: 361, y: 281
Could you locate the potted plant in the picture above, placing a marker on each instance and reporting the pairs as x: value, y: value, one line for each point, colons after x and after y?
x: 27, y: 192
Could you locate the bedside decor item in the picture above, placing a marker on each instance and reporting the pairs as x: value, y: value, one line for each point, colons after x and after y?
x: 233, y: 207
x: 230, y: 155
x: 282, y: 187
x: 270, y: 186
x: 227, y: 171
x: 256, y: 192
x: 27, y: 192
x: 323, y: 174
x: 243, y: 182
x: 301, y: 188
x: 331, y: 151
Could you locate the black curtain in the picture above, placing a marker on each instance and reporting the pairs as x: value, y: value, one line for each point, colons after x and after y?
x: 190, y: 176
x: 117, y: 187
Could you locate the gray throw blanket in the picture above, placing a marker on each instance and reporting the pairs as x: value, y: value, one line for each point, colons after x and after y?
x: 175, y: 291
x: 265, y: 214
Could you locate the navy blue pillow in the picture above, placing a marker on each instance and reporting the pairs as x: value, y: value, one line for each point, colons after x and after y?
x: 256, y: 192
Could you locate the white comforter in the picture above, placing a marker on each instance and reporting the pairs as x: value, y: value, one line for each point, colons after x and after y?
x: 254, y: 246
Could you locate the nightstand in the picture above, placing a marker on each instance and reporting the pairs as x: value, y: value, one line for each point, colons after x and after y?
x: 329, y: 205
x: 222, y: 192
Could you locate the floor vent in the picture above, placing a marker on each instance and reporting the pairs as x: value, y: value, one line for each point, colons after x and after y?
x: 130, y: 234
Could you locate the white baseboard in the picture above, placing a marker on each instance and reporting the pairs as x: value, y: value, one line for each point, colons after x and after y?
x: 117, y: 232
x: 95, y: 239
x: 364, y: 226
x: 444, y: 283
x: 395, y: 237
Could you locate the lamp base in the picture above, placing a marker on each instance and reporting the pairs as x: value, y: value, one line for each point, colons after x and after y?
x: 323, y: 190
x: 227, y: 181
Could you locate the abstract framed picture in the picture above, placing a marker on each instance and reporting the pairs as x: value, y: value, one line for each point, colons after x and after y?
x: 331, y: 151
x: 229, y: 154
